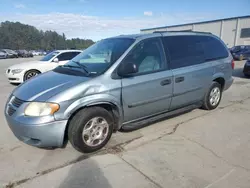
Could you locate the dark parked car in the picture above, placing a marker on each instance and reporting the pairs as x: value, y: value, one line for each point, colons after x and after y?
x: 246, y: 69
x: 23, y: 53
x: 240, y: 52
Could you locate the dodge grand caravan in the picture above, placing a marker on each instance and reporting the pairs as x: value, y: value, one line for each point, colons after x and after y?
x: 120, y: 83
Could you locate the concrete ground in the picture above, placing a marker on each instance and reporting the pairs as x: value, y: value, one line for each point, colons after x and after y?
x: 208, y: 149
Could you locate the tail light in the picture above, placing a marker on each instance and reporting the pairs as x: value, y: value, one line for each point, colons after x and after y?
x: 232, y: 63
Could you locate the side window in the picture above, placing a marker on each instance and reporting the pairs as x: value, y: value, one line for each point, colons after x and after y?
x: 67, y: 56
x: 148, y: 56
x: 214, y: 49
x: 184, y: 50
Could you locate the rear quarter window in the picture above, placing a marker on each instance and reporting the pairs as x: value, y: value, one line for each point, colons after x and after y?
x: 213, y: 48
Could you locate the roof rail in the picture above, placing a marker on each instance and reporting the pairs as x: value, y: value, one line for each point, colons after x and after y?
x: 182, y: 31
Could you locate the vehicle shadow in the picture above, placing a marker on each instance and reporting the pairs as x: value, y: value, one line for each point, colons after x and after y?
x: 85, y: 174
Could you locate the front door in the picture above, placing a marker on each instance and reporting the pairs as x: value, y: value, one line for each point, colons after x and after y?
x: 149, y: 91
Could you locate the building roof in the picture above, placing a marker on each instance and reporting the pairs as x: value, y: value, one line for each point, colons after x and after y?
x: 224, y: 19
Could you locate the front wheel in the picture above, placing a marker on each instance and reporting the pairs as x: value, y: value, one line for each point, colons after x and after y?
x: 30, y: 74
x: 213, y: 97
x: 90, y: 129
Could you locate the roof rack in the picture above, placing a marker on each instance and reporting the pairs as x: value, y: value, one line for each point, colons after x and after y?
x: 182, y: 31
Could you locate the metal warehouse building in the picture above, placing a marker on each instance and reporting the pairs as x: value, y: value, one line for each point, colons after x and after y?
x: 233, y: 31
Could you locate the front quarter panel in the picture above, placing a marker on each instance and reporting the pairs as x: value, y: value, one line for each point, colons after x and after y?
x: 99, y: 90
x: 67, y: 108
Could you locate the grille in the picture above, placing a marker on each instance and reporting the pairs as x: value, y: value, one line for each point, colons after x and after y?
x: 17, y: 102
x: 10, y: 111
x: 12, y: 79
x: 8, y: 71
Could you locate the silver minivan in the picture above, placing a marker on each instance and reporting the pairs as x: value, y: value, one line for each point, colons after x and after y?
x: 120, y: 83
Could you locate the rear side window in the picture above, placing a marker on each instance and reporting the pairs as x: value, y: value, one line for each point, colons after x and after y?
x: 184, y: 51
x: 213, y: 48
x: 192, y: 50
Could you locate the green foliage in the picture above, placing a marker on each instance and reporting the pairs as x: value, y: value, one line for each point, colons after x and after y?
x: 19, y: 36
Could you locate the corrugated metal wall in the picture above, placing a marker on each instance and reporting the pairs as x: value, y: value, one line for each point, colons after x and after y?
x: 243, y: 23
x: 229, y: 32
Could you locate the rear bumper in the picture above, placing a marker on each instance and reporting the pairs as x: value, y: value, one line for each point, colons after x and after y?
x: 39, y: 135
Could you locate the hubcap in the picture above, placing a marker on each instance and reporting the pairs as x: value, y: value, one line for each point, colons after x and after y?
x: 95, y: 131
x: 31, y: 74
x: 214, y: 96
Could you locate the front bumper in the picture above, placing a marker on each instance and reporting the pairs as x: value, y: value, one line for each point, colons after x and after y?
x: 14, y: 78
x: 40, y: 135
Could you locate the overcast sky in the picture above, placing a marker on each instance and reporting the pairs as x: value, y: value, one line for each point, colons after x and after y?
x: 97, y: 19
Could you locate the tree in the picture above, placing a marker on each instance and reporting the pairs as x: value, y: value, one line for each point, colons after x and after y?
x: 20, y: 36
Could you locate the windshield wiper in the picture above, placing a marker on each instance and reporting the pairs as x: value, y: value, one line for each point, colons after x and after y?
x: 81, y: 66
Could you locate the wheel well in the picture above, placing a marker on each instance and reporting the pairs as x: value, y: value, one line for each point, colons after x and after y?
x: 108, y: 106
x: 33, y: 70
x: 221, y: 81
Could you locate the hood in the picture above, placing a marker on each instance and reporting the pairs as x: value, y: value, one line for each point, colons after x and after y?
x: 27, y: 65
x: 46, y: 85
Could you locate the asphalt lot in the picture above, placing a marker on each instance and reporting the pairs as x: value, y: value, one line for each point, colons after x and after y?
x: 198, y: 149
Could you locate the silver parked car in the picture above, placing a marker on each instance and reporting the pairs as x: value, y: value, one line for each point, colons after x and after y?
x: 3, y: 55
x: 120, y: 83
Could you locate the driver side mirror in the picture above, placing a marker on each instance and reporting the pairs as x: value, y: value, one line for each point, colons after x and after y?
x: 127, y: 69
x: 56, y: 60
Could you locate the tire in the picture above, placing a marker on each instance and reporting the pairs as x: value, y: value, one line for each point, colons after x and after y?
x: 246, y: 75
x: 80, y: 122
x: 30, y: 74
x: 207, y: 104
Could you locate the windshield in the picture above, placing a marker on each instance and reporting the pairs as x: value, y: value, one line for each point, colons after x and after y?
x: 49, y: 56
x: 100, y: 56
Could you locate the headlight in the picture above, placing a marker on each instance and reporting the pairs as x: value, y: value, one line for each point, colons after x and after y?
x: 16, y: 71
x: 41, y: 109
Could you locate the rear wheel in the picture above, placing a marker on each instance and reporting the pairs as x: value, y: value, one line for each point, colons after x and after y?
x: 213, y: 97
x: 30, y: 74
x: 90, y: 129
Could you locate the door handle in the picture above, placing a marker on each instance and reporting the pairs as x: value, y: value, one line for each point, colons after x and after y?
x: 166, y: 82
x: 179, y: 79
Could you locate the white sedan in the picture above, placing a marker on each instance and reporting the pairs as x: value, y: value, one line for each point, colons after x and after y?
x: 21, y: 72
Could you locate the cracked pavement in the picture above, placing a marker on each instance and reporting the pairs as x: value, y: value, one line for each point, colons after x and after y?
x: 208, y: 149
